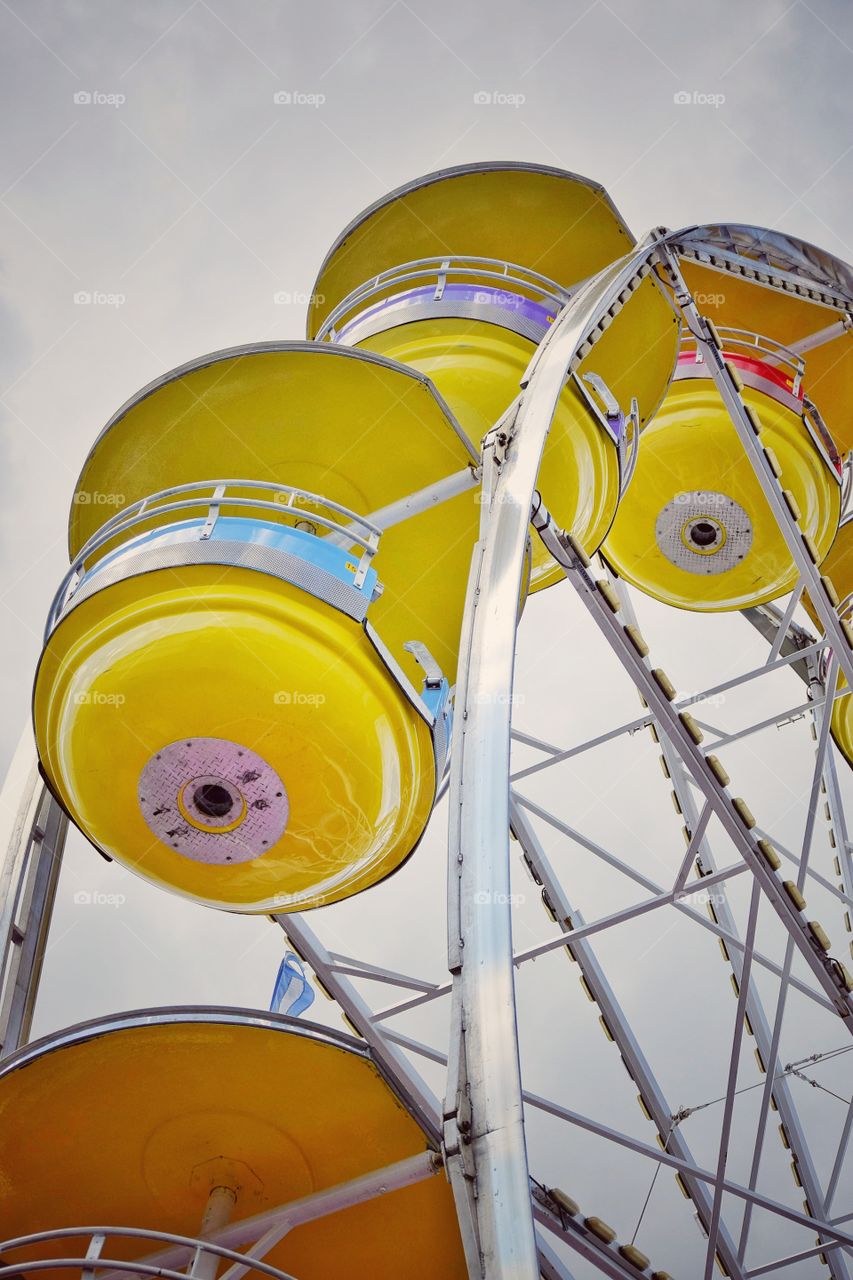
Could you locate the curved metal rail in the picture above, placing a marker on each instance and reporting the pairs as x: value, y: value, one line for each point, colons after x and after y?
x: 484, y: 1127
x: 487, y: 271
x: 194, y: 498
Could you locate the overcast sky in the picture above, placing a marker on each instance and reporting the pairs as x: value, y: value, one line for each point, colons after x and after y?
x: 146, y: 165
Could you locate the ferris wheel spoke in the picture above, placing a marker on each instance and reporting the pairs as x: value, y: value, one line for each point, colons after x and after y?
x: 754, y: 1014
x: 621, y: 1033
x: 834, y: 808
x: 811, y: 873
x: 559, y: 754
x: 785, y: 623
x: 834, y: 1230
x: 733, y: 813
x: 843, y: 1146
x: 731, y: 1085
x: 729, y: 385
x: 32, y: 836
x: 651, y: 1095
x: 741, y: 956
x: 776, y: 1086
x: 694, y: 845
x: 662, y: 898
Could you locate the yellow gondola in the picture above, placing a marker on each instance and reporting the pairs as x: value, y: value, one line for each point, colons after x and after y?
x: 228, y: 702
x: 461, y: 273
x: 136, y: 1120
x: 694, y: 529
x: 838, y: 567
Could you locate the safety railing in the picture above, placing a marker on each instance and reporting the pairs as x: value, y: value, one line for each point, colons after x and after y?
x: 742, y: 342
x: 205, y: 500
x: 745, y: 343
x: 93, y: 1260
x: 492, y: 272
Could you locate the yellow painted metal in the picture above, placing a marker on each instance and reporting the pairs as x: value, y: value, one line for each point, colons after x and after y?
x: 731, y: 300
x: 842, y: 723
x: 134, y: 1125
x: 553, y: 222
x: 356, y: 429
x: 478, y: 368
x: 838, y: 567
x: 693, y: 446
x: 550, y: 221
x: 229, y: 653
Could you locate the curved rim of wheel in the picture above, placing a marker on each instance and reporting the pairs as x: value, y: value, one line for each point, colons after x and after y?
x: 791, y: 251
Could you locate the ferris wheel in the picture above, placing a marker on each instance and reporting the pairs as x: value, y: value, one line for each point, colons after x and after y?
x: 295, y: 652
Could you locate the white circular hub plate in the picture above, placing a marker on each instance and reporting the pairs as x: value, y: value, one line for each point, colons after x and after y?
x: 723, y: 528
x: 213, y: 801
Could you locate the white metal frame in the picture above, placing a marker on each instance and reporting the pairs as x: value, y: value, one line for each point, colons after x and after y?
x: 506, y: 1216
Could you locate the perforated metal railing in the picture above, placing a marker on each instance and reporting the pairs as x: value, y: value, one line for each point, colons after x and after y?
x: 87, y: 1264
x: 745, y: 343
x: 742, y: 342
x: 489, y: 272
x: 288, y: 505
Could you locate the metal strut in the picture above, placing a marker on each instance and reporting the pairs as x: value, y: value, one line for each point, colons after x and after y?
x: 484, y: 1125
x: 686, y: 737
x: 777, y: 1089
x: 748, y: 426
x: 32, y: 835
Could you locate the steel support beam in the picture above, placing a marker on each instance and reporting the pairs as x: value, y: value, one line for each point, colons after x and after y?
x: 767, y: 1041
x: 484, y: 1129
x: 731, y: 811
x: 32, y: 837
x: 639, y: 1067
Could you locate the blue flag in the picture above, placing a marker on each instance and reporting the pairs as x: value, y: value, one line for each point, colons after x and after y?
x: 292, y: 992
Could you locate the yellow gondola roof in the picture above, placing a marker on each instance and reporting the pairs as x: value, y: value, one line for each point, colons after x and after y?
x: 132, y: 1119
x: 551, y: 221
x: 328, y: 419
x: 358, y: 428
